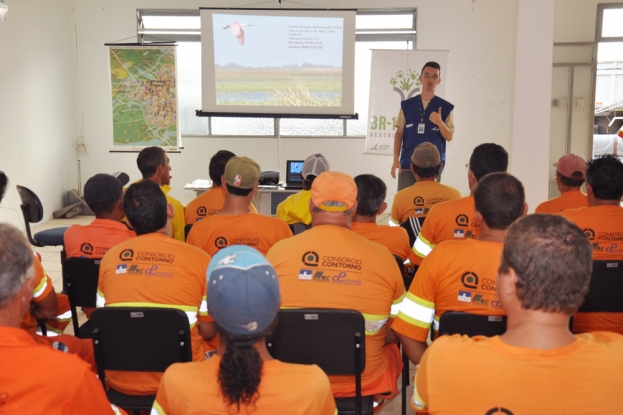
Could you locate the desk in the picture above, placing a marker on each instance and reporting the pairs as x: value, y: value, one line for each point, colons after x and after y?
x: 267, y: 199
x: 199, y: 186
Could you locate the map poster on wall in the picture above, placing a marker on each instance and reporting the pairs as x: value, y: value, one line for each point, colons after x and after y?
x: 394, y: 77
x: 144, y: 97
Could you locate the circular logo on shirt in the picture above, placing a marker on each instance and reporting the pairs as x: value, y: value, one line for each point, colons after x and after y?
x: 310, y: 258
x: 498, y: 411
x: 220, y: 242
x: 418, y: 201
x: 126, y: 255
x: 589, y: 233
x: 462, y: 220
x: 201, y: 211
x: 470, y: 280
x: 86, y: 248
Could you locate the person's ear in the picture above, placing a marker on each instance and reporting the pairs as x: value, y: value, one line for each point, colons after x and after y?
x: 170, y: 211
x: 589, y: 190
x: 381, y: 209
x: 479, y: 219
x: 525, y: 209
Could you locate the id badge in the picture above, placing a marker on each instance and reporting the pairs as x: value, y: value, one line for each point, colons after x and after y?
x: 420, y: 128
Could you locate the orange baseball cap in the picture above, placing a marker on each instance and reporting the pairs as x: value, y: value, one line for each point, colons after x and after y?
x: 333, y: 186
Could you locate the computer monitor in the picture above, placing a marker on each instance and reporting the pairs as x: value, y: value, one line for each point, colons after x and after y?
x: 293, y: 173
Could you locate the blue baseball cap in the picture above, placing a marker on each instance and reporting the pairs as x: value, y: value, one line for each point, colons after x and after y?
x: 243, y: 290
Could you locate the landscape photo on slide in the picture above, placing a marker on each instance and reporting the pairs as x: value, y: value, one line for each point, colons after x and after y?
x: 144, y: 96
x: 278, y: 61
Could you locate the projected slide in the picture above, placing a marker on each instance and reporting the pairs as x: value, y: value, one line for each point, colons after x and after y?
x: 286, y: 61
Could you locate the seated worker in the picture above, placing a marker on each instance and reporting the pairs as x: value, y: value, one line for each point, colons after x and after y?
x: 295, y: 209
x: 234, y: 224
x: 417, y: 200
x: 538, y: 366
x: 329, y: 266
x: 211, y: 202
x: 461, y: 275
x: 103, y: 194
x: 154, y: 268
x: 371, y: 192
x: 243, y: 378
x: 602, y: 223
x: 34, y: 378
x: 153, y: 162
x: 570, y: 176
x: 455, y: 219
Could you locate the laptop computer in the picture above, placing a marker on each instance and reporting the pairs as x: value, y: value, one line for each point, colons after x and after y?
x: 293, y: 174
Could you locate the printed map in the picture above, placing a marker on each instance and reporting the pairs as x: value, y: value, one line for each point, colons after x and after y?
x: 144, y: 97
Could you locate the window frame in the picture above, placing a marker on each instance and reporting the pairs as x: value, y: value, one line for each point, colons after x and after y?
x: 362, y: 35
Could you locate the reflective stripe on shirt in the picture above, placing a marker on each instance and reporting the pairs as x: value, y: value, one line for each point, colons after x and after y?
x: 417, y: 311
x: 418, y: 402
x: 396, y: 306
x: 374, y: 322
x: 36, y: 293
x: 203, y: 308
x: 157, y: 409
x: 100, y: 301
x: 422, y: 247
x: 392, y: 222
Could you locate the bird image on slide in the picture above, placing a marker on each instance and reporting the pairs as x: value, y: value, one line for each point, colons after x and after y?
x: 236, y: 29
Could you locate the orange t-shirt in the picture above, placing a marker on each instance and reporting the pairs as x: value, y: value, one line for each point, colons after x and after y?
x: 154, y: 270
x: 333, y: 267
x: 447, y: 221
x: 94, y: 240
x: 193, y: 388
x: 207, y: 204
x: 480, y: 375
x: 41, y: 289
x: 603, y: 225
x: 394, y: 238
x: 456, y: 276
x: 257, y: 231
x: 417, y: 200
x: 38, y: 380
x: 572, y: 199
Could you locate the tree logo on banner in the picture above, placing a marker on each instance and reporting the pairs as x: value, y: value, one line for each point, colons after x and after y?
x: 405, y: 82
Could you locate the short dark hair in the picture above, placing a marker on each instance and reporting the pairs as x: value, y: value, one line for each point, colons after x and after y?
x: 431, y: 64
x: 553, y: 261
x: 217, y: 165
x: 310, y: 178
x: 426, y: 172
x: 488, y: 158
x: 4, y: 182
x: 149, y: 159
x: 371, y: 192
x: 605, y: 175
x: 568, y: 181
x: 236, y: 191
x: 499, y: 198
x: 145, y: 205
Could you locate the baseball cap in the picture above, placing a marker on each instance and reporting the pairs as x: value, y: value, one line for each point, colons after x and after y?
x: 334, y: 186
x: 242, y: 172
x: 243, y: 290
x: 314, y: 164
x: 426, y: 155
x: 102, y: 190
x: 571, y: 166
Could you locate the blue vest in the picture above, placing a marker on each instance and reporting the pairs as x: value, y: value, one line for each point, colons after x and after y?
x: 412, y: 109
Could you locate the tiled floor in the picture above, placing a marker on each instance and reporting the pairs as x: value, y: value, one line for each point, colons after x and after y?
x: 51, y: 261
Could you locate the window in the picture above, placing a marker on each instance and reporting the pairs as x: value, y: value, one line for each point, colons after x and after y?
x: 376, y: 29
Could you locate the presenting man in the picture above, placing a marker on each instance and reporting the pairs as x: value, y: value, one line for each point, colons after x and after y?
x: 538, y: 366
x: 425, y: 117
x: 570, y: 176
x: 330, y: 266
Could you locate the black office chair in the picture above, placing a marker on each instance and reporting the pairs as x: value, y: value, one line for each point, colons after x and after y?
x: 331, y: 339
x: 187, y: 229
x: 32, y: 209
x: 605, y: 290
x: 146, y: 339
x: 456, y: 322
x: 80, y: 277
x: 298, y: 227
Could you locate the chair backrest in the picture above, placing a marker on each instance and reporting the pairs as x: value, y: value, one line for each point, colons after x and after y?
x: 455, y: 322
x: 80, y: 277
x: 298, y: 227
x: 33, y: 207
x: 145, y: 339
x: 187, y: 229
x: 605, y: 291
x: 325, y: 337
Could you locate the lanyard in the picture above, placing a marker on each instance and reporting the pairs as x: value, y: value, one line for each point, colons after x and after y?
x: 421, y: 108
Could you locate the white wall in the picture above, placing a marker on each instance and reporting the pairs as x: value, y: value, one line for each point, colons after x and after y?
x: 38, y: 119
x: 575, y: 20
x: 479, y: 82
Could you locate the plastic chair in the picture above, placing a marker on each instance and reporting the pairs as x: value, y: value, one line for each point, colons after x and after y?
x: 332, y: 339
x: 80, y: 277
x: 456, y: 322
x: 32, y: 209
x: 146, y: 339
x: 605, y: 289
